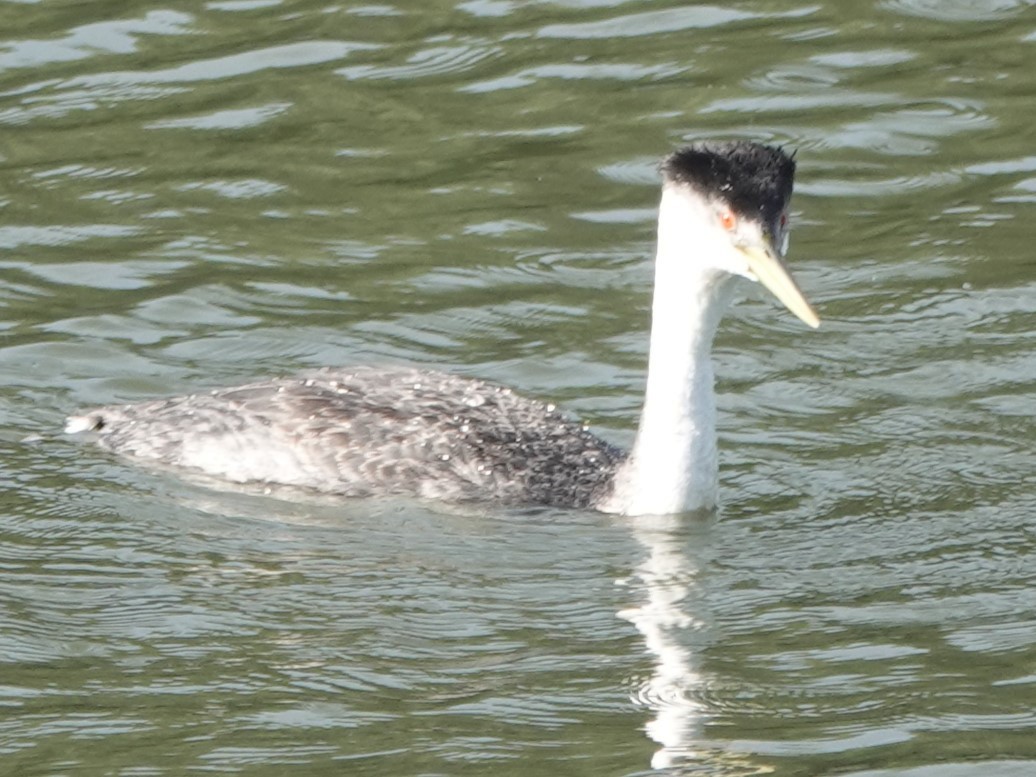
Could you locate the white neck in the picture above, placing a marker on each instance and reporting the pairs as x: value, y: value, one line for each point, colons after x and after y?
x: 673, y: 466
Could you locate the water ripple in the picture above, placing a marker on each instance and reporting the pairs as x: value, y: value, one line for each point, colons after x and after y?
x: 56, y: 235
x: 288, y: 55
x: 433, y: 61
x: 864, y: 58
x: 958, y: 10
x: 905, y: 186
x: 258, y: 187
x: 55, y: 99
x: 791, y: 103
x: 575, y: 71
x: 237, y: 118
x: 648, y: 23
x: 90, y: 40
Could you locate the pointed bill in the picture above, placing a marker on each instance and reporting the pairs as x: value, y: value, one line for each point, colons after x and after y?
x: 768, y: 266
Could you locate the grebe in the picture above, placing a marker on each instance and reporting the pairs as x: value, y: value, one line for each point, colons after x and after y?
x: 370, y: 431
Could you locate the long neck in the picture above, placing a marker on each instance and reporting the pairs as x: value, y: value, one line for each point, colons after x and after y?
x: 673, y: 466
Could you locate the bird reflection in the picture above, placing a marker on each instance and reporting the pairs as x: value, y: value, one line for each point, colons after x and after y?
x: 669, y: 617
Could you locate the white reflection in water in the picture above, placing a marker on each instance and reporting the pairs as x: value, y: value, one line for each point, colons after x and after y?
x: 667, y: 579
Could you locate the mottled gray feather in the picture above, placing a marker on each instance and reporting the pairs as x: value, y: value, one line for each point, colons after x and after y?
x: 370, y: 431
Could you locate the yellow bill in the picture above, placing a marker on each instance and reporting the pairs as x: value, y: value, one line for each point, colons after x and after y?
x: 768, y: 266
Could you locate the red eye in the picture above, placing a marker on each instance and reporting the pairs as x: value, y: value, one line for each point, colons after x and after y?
x: 784, y: 219
x: 728, y: 220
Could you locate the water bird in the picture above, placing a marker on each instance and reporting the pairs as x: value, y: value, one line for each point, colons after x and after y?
x: 405, y: 431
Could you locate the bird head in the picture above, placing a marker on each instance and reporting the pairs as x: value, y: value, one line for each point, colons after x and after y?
x: 741, y: 190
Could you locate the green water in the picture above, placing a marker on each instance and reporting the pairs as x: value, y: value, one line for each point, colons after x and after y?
x: 204, y: 193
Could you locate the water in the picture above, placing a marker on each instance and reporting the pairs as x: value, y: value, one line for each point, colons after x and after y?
x: 198, y: 195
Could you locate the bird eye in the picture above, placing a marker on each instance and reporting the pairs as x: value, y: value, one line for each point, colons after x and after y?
x: 784, y: 219
x: 728, y: 220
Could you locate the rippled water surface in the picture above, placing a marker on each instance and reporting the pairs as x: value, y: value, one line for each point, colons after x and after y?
x: 201, y: 193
